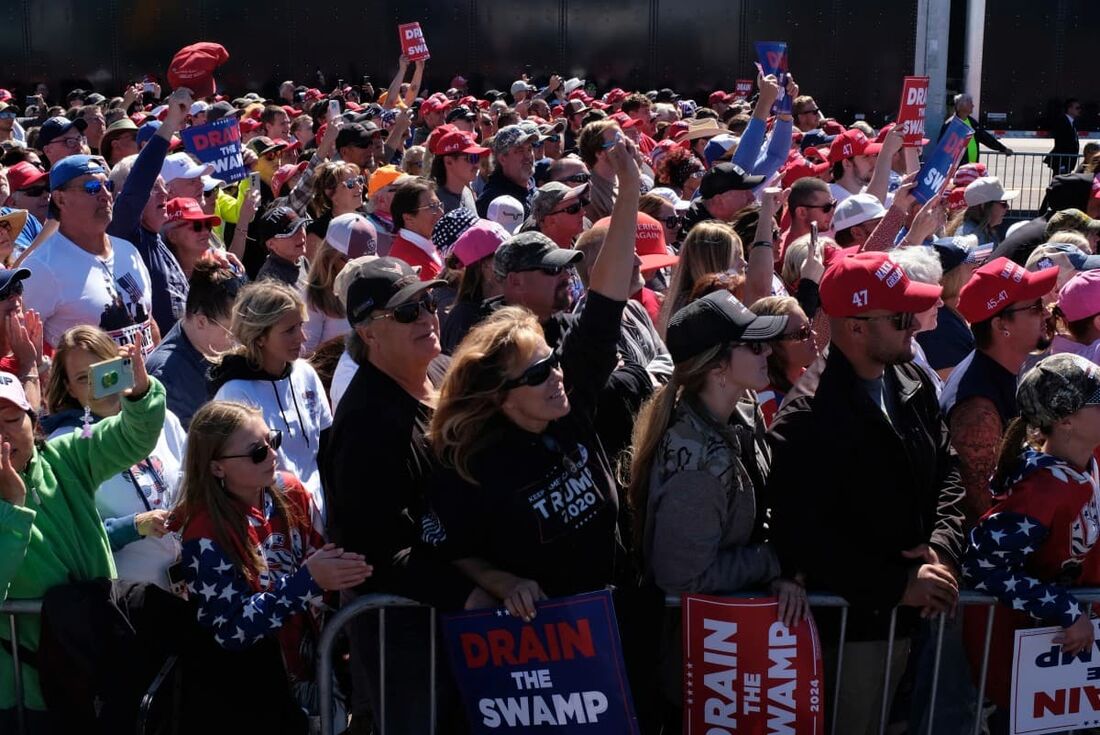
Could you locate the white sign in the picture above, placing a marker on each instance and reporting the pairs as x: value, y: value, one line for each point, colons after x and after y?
x: 1051, y: 691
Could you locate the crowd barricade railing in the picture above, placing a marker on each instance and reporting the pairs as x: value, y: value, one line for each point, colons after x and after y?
x: 1030, y: 173
x: 12, y: 608
x: 817, y: 600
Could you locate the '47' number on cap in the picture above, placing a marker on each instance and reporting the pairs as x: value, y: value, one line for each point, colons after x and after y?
x: 859, y: 298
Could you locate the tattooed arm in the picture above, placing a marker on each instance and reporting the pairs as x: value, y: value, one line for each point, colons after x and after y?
x: 976, y: 432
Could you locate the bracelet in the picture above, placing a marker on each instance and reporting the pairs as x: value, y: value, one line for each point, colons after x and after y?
x: 32, y: 375
x: 761, y: 244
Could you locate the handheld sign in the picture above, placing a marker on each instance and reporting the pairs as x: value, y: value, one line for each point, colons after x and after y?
x: 561, y: 673
x: 746, y: 672
x: 413, y: 44
x: 742, y: 89
x: 1052, y: 691
x: 914, y: 101
x: 936, y: 170
x: 218, y: 144
x: 773, y: 60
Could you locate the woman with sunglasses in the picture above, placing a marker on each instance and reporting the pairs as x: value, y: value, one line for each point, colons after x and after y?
x: 134, y: 504
x: 454, y: 168
x: 12, y: 222
x: 253, y: 559
x: 415, y: 210
x: 187, y: 232
x: 680, y: 171
x: 337, y: 189
x: 266, y: 371
x: 525, y: 503
x: 791, y: 354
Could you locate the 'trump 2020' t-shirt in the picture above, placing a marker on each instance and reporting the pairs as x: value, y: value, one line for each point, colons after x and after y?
x: 70, y: 286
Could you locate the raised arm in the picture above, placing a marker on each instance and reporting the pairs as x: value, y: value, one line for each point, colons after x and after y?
x: 414, y: 85
x: 610, y: 275
x: 880, y: 180
x: 761, y: 262
x: 395, y: 85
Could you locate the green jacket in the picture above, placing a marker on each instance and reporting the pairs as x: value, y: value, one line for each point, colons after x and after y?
x: 57, y: 535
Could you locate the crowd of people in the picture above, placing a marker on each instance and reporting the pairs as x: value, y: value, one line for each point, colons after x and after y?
x: 487, y: 349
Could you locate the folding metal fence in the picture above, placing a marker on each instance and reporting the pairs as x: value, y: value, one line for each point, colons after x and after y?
x: 1030, y: 174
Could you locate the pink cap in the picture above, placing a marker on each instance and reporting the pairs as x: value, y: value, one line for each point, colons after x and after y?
x: 479, y: 242
x: 11, y: 390
x: 1080, y: 297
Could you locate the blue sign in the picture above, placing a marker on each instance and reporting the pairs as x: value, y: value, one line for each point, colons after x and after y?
x: 773, y: 60
x: 561, y: 673
x: 218, y: 144
x: 937, y: 167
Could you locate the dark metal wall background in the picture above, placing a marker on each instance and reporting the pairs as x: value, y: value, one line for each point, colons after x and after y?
x: 851, y: 54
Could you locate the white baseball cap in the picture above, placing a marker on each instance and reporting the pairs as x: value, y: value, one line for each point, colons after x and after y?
x: 857, y: 209
x: 572, y: 84
x: 182, y: 166
x: 353, y: 235
x: 987, y: 189
x: 507, y: 212
x: 670, y: 196
x: 11, y: 390
x: 198, y: 107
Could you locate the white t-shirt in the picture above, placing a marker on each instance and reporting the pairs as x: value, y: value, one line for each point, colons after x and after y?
x: 840, y: 194
x: 346, y: 368
x: 298, y: 406
x: 320, y: 328
x: 152, y: 484
x: 70, y: 286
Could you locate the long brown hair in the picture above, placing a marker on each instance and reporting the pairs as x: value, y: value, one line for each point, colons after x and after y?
x: 320, y: 294
x: 468, y: 417
x: 210, y: 430
x: 327, y: 177
x: 80, y: 337
x: 1012, y: 444
x: 708, y: 248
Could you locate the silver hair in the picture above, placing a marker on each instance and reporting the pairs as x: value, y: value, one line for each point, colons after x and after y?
x: 963, y: 97
x: 921, y: 264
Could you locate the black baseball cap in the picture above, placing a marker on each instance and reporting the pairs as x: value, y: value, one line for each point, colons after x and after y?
x: 460, y: 111
x: 715, y: 319
x: 357, y: 134
x: 723, y: 177
x: 384, y: 283
x: 218, y: 110
x: 279, y: 221
x: 530, y: 251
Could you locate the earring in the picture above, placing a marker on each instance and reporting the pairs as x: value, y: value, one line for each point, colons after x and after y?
x: 1005, y: 332
x: 221, y: 483
x: 86, y: 429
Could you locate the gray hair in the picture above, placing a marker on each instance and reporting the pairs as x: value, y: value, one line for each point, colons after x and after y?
x: 921, y: 264
x: 963, y: 97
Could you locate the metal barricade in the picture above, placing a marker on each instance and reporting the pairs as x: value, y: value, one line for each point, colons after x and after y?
x: 1030, y: 173
x: 11, y: 608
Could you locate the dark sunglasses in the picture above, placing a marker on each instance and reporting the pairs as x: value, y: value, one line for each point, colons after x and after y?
x: 536, y: 374
x: 474, y: 158
x: 572, y: 208
x: 552, y: 139
x: 672, y: 221
x: 410, y: 312
x: 355, y: 181
x: 33, y: 191
x: 201, y: 226
x: 826, y: 208
x: 900, y: 322
x: 95, y: 186
x: 14, y: 288
x: 804, y: 333
x: 259, y: 452
x: 581, y: 178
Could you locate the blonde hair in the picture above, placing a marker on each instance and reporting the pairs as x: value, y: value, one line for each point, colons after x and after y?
x: 1072, y: 237
x: 211, y: 427
x: 468, y: 417
x: 328, y: 175
x: 708, y: 248
x: 795, y: 255
x: 320, y: 282
x: 257, y: 309
x: 80, y: 337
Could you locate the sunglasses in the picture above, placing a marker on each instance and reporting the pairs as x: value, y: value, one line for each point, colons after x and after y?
x: 259, y: 452
x: 355, y: 181
x: 672, y: 221
x: 756, y: 348
x: 95, y: 186
x: 804, y: 333
x: 410, y: 312
x: 474, y: 158
x: 14, y: 288
x: 581, y: 178
x: 826, y: 208
x: 551, y: 139
x: 202, y: 226
x: 573, y: 208
x: 901, y: 322
x: 534, y: 375
x: 1037, y: 308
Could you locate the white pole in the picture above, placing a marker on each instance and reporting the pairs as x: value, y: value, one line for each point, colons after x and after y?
x: 930, y: 59
x: 975, y: 41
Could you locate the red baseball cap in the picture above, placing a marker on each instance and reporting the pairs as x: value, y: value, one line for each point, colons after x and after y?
x: 24, y: 175
x: 284, y: 173
x: 852, y: 143
x: 249, y: 125
x: 193, y: 67
x: 1000, y: 283
x: 649, y: 243
x: 292, y: 112
x: 719, y: 96
x: 456, y: 141
x: 625, y: 121
x: 864, y: 282
x: 432, y: 104
x: 187, y: 209
x: 615, y: 95
x: 5, y: 95
x: 312, y: 94
x: 678, y: 128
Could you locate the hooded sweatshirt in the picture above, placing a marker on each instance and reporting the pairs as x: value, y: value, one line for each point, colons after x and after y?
x: 294, y: 403
x: 57, y: 535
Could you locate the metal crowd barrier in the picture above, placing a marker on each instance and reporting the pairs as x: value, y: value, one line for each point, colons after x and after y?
x: 380, y: 602
x: 1030, y: 173
x: 11, y: 608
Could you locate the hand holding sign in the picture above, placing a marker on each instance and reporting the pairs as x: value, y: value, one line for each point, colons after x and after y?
x: 413, y: 45
x: 936, y: 171
x: 769, y: 91
x: 1077, y: 637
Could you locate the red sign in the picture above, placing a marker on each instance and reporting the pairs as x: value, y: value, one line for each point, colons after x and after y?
x: 742, y: 88
x: 746, y: 672
x: 413, y: 44
x: 914, y: 101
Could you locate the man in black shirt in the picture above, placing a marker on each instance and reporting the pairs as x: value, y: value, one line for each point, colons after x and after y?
x: 515, y: 164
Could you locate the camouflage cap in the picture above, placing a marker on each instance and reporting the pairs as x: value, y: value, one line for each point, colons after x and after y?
x: 1072, y: 219
x: 509, y: 137
x: 530, y: 251
x: 1058, y: 386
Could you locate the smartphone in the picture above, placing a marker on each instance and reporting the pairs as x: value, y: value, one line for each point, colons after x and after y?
x: 366, y: 79
x: 110, y: 377
x: 813, y: 235
x: 333, y: 109
x: 254, y: 180
x: 340, y: 84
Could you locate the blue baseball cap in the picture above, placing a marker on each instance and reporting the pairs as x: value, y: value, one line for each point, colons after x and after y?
x: 146, y: 132
x: 55, y: 127
x: 70, y: 167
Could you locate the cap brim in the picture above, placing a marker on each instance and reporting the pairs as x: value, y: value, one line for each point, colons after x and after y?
x: 657, y: 261
x: 1010, y: 195
x: 476, y: 149
x: 920, y: 297
x: 562, y: 257
x: 872, y: 149
x: 411, y: 292
x: 764, y: 329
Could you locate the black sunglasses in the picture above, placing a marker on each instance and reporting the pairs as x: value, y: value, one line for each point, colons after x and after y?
x: 901, y: 321
x: 672, y: 221
x: 549, y: 270
x: 259, y: 452
x: 826, y: 208
x: 410, y: 312
x: 581, y: 178
x: 201, y: 226
x: 1037, y: 308
x: 572, y: 208
x: 535, y: 374
x: 33, y: 191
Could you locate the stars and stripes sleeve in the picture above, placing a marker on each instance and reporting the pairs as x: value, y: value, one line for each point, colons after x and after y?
x: 227, y: 606
x: 999, y: 547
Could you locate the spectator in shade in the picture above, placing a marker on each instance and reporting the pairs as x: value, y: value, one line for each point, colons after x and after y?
x: 680, y: 171
x: 987, y: 203
x: 283, y: 232
x: 193, y: 345
x: 415, y: 210
x: 349, y: 236
x: 557, y: 211
x: 951, y: 341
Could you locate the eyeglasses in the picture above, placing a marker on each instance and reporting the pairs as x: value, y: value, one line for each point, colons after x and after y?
x: 535, y: 374
x: 72, y: 143
x: 259, y: 452
x: 95, y: 186
x: 901, y: 322
x: 672, y: 221
x: 473, y: 158
x: 573, y: 208
x: 355, y: 181
x: 581, y: 178
x: 436, y: 205
x: 33, y: 191
x: 548, y: 270
x: 804, y: 333
x: 202, y: 226
x: 826, y: 208
x: 14, y: 288
x: 1036, y: 308
x: 756, y: 348
x: 409, y: 313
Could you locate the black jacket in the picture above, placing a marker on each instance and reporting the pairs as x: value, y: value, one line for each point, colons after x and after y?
x: 695, y: 214
x: 1066, y: 145
x: 981, y: 136
x: 850, y: 491
x: 499, y: 185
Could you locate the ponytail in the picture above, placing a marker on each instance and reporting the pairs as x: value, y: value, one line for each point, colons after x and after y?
x: 653, y: 420
x: 1011, y: 445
